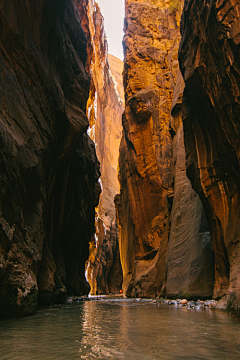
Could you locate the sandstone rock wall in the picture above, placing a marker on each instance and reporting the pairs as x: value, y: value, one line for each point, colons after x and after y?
x: 190, y: 260
x: 164, y: 235
x: 150, y: 69
x: 105, y: 108
x: 209, y: 61
x: 49, y: 170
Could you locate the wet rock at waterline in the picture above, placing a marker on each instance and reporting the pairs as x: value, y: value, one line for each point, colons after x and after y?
x: 49, y: 170
x: 191, y: 305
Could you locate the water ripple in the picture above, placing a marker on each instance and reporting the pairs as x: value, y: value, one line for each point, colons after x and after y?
x: 120, y: 329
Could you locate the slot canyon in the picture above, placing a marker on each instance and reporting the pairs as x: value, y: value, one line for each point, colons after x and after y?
x: 120, y: 179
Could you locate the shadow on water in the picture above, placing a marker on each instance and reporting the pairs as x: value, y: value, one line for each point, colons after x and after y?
x: 120, y: 329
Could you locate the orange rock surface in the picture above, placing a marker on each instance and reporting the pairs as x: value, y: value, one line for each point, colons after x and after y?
x: 116, y: 69
x: 209, y: 61
x: 189, y: 260
x: 150, y: 68
x: 105, y: 108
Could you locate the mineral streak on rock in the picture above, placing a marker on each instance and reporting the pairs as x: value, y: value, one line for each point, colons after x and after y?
x: 210, y: 64
x: 190, y: 260
x: 150, y: 69
x: 49, y: 169
x: 105, y: 108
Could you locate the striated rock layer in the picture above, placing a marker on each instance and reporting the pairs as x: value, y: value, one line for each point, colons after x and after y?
x: 49, y: 169
x: 210, y: 64
x: 189, y: 260
x: 150, y: 69
x: 165, y: 243
x: 105, y: 108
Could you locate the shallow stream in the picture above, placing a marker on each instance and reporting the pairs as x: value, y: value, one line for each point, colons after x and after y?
x: 120, y: 329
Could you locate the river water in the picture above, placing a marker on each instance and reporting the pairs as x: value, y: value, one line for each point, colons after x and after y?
x: 120, y: 329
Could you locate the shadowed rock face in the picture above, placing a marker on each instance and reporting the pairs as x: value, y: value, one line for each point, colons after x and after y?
x: 210, y: 64
x: 150, y: 69
x: 49, y: 169
x: 189, y: 260
x: 104, y: 109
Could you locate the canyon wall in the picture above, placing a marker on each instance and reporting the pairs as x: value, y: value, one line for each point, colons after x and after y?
x: 189, y: 260
x: 150, y: 69
x: 49, y: 171
x: 165, y: 245
x: 104, y: 109
x: 210, y: 64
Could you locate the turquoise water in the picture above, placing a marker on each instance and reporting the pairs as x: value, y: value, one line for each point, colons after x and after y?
x: 120, y: 329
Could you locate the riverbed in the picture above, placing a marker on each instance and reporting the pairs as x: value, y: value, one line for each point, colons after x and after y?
x: 120, y: 329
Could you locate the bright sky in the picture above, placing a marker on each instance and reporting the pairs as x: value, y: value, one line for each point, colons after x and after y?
x: 113, y: 13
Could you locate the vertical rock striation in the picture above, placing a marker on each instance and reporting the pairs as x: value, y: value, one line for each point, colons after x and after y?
x: 210, y: 64
x: 190, y: 260
x: 164, y: 236
x: 105, y: 108
x: 150, y: 69
x: 49, y: 170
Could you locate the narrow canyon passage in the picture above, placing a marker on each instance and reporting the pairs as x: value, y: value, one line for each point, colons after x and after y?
x: 119, y: 196
x: 104, y: 109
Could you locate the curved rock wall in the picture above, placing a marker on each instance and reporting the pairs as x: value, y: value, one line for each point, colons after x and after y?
x: 190, y: 260
x: 165, y: 243
x: 105, y: 108
x: 150, y: 69
x: 209, y: 61
x: 49, y: 170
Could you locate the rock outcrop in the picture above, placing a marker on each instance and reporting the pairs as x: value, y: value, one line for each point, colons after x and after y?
x: 190, y: 260
x: 49, y: 171
x: 209, y: 61
x: 105, y: 108
x: 165, y: 243
x: 150, y: 69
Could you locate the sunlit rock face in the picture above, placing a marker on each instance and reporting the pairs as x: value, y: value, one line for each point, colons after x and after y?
x: 210, y: 64
x: 189, y: 260
x: 49, y: 169
x: 105, y: 108
x: 150, y: 69
x: 116, y: 69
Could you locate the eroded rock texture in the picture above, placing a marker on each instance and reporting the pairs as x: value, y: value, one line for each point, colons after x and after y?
x: 151, y: 46
x: 48, y: 163
x: 210, y: 64
x: 190, y: 260
x: 105, y: 108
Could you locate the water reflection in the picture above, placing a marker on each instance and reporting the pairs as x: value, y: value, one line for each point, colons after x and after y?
x: 120, y: 329
x: 99, y: 337
x: 131, y: 330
